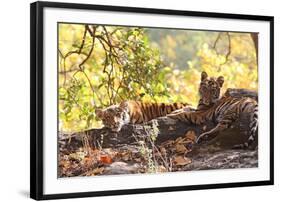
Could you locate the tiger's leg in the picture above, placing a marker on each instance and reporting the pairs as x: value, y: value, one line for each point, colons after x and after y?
x: 225, y: 120
x: 194, y: 117
x: 180, y: 115
x: 212, y: 133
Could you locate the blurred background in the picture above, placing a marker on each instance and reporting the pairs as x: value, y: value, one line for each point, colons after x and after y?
x: 102, y: 65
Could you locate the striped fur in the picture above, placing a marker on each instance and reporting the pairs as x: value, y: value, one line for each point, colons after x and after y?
x: 134, y: 112
x: 223, y: 111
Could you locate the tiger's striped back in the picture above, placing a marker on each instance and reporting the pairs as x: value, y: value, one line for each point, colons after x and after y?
x: 135, y: 112
x: 141, y: 112
x: 223, y: 111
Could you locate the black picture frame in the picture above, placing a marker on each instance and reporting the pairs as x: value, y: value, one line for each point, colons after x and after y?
x: 36, y: 99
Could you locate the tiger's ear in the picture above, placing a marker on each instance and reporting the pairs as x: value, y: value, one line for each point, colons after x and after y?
x: 220, y: 80
x: 124, y: 105
x: 99, y: 113
x: 204, y: 75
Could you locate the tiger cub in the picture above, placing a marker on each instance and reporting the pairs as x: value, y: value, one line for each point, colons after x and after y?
x: 135, y: 112
x: 223, y: 111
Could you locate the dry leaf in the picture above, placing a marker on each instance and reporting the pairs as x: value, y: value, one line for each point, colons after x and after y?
x: 181, y: 161
x: 167, y: 143
x: 163, y: 150
x: 106, y: 159
x: 179, y: 140
x: 96, y: 171
x: 77, y: 156
x: 180, y: 148
x: 191, y: 135
x: 161, y: 169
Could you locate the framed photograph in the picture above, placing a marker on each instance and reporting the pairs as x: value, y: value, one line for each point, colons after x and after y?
x: 136, y: 100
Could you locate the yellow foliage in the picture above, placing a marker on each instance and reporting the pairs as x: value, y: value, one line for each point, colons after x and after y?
x: 79, y: 95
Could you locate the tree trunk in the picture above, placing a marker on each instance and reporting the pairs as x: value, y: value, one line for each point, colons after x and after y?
x: 254, y: 37
x: 168, y: 129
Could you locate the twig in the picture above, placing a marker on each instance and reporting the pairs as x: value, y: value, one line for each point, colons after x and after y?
x: 216, y: 41
x: 92, y: 46
x: 83, y: 40
x: 228, y: 50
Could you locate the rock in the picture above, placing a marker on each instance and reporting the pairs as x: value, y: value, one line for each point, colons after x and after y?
x: 223, y: 159
x: 117, y: 168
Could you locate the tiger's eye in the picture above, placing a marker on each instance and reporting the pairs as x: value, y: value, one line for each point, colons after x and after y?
x: 204, y: 88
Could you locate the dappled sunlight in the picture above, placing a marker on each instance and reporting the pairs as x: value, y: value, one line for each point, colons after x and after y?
x: 103, y: 65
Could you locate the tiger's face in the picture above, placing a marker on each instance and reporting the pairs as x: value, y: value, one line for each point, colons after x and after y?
x: 114, y: 117
x: 209, y: 89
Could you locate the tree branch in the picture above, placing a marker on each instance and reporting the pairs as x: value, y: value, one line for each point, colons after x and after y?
x: 228, y: 49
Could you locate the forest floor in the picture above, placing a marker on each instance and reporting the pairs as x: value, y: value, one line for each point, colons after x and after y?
x: 170, y: 156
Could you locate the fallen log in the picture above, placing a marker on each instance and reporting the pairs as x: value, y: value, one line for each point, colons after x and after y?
x: 129, y: 134
x: 162, y: 129
x: 240, y: 92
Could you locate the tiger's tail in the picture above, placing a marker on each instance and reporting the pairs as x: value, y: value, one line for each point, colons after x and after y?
x: 253, y: 128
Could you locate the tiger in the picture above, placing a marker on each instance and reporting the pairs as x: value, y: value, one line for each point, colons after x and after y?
x: 135, y: 112
x: 223, y: 111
